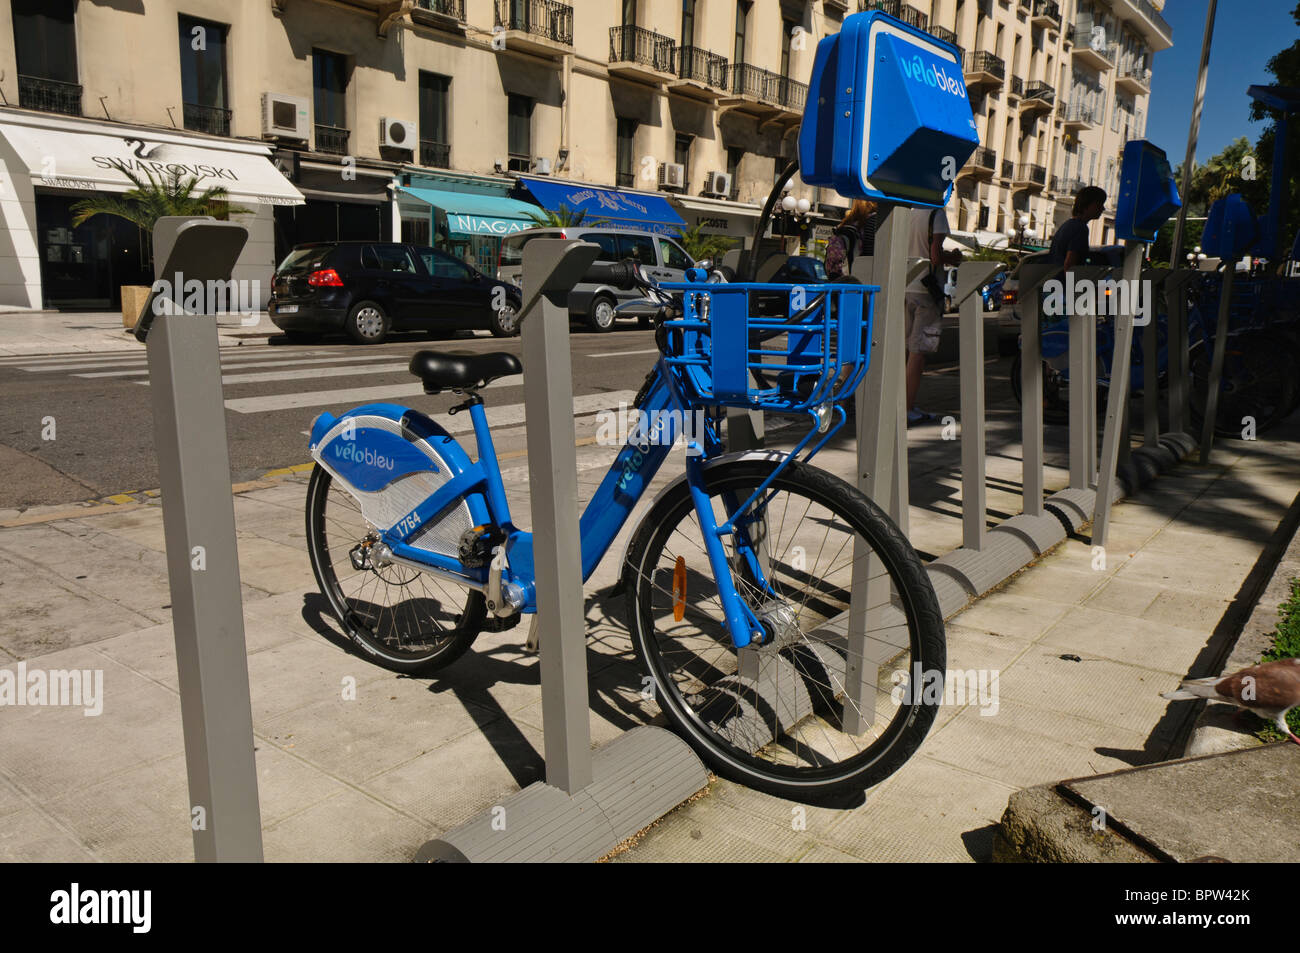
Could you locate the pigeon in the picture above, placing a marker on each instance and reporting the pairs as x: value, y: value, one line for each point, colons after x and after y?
x: 1269, y: 690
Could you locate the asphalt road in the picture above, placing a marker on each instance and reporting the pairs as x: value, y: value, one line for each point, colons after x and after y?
x: 103, y: 417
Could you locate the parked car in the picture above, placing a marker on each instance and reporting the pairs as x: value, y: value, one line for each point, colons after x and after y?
x: 592, y: 302
x: 368, y: 289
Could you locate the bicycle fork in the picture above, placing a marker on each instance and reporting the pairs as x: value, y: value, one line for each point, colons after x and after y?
x: 742, y: 623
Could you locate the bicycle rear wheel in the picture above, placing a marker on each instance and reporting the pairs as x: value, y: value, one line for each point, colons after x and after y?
x: 816, y: 709
x: 401, y: 619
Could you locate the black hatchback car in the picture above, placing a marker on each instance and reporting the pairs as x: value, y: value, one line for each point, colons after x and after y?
x: 368, y: 289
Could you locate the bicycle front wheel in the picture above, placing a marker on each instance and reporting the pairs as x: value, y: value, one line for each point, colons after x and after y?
x: 823, y: 705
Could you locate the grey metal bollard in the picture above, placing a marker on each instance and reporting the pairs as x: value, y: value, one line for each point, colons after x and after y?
x: 590, y: 802
x: 202, y: 554
x: 1216, y: 364
x: 971, y: 276
x: 1116, y: 429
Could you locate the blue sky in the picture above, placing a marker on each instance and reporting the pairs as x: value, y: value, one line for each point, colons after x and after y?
x: 1246, y: 34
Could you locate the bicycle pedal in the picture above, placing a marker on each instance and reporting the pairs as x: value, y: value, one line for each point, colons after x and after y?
x: 476, y: 545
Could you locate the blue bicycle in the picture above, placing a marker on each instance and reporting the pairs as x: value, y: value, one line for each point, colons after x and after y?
x: 739, y: 577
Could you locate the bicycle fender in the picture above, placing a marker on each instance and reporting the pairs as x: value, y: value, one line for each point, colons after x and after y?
x: 390, y: 458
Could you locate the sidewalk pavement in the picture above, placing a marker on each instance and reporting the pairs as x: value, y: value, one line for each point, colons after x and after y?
x: 62, y: 332
x: 375, y: 777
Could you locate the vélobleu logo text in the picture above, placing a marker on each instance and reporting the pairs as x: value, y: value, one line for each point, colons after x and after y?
x: 348, y: 450
x: 934, y: 75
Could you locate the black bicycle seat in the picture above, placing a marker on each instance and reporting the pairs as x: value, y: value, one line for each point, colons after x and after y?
x: 441, y: 372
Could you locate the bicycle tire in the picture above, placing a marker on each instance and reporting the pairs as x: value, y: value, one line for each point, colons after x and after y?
x: 354, y: 613
x: 907, y: 728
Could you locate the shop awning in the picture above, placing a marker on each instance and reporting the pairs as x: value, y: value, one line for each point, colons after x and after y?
x: 719, y: 206
x: 471, y: 213
x: 632, y: 209
x: 61, y: 153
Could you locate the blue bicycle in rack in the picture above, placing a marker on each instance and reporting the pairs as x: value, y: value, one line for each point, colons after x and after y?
x: 739, y: 576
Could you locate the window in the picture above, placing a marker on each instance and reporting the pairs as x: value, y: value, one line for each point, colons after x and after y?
x: 682, y: 156
x: 441, y: 265
x: 330, y: 79
x: 625, y: 175
x: 639, y: 248
x: 742, y: 30
x: 734, y: 155
x: 387, y: 258
x: 520, y: 132
x: 435, y: 134
x: 608, y: 245
x: 45, y: 39
x: 688, y: 22
x: 203, y: 75
x: 787, y: 33
x: 629, y: 12
x: 673, y: 255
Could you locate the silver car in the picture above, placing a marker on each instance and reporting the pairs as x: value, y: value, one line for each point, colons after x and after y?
x: 661, y: 258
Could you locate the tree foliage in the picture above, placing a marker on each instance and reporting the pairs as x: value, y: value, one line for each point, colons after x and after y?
x: 153, y: 196
x: 564, y: 218
x: 699, y: 245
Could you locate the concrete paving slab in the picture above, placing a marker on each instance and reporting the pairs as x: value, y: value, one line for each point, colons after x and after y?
x: 1123, y: 638
x: 1051, y: 581
x: 1221, y: 577
x: 345, y: 828
x: 29, y: 836
x: 1113, y: 693
x: 1180, y: 806
x: 1124, y: 596
x: 1013, y: 614
x: 935, y: 812
x: 707, y: 830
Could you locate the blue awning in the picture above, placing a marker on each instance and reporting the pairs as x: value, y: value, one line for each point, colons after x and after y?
x: 632, y: 209
x: 470, y: 213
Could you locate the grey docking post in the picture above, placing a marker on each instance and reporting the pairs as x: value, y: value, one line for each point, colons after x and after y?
x: 202, y: 555
x: 588, y: 803
x: 1216, y: 364
x: 974, y: 495
x: 1116, y: 430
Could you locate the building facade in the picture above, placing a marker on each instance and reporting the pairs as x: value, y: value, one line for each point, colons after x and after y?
x: 426, y: 119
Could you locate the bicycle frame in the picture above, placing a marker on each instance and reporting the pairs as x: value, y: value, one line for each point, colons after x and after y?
x: 660, y: 403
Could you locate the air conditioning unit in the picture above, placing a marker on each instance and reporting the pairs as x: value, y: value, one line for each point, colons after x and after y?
x: 717, y: 183
x: 672, y: 175
x: 542, y: 165
x: 284, y: 117
x: 397, y: 133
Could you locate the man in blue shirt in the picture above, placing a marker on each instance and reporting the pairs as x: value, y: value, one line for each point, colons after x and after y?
x: 1070, y: 243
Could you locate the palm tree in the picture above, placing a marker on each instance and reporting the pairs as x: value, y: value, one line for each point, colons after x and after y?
x: 564, y: 218
x: 700, y: 246
x: 155, y: 196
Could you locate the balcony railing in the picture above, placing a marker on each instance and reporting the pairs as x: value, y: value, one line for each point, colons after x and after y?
x: 1154, y: 16
x: 943, y: 33
x: 452, y: 9
x: 790, y: 94
x: 332, y: 140
x: 49, y: 95
x: 548, y: 19
x: 1017, y: 86
x: 435, y: 155
x: 1008, y: 168
x: 898, y: 9
x: 1047, y: 10
x: 701, y: 66
x: 1067, y: 186
x: 213, y: 120
x: 519, y: 163
x: 632, y: 44
x: 1041, y: 91
x: 624, y: 180
x: 983, y: 158
x: 1027, y: 172
x: 1079, y: 113
x: 1136, y: 74
x: 981, y: 62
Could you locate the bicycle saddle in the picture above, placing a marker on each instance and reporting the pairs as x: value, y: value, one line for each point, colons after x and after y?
x: 462, y: 371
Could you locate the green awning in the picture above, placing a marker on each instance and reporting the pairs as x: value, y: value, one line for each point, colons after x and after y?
x: 470, y: 213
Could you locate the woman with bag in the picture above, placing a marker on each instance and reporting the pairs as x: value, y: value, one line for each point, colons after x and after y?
x: 854, y: 236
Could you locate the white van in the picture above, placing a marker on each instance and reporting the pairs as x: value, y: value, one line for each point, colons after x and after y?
x: 661, y: 258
